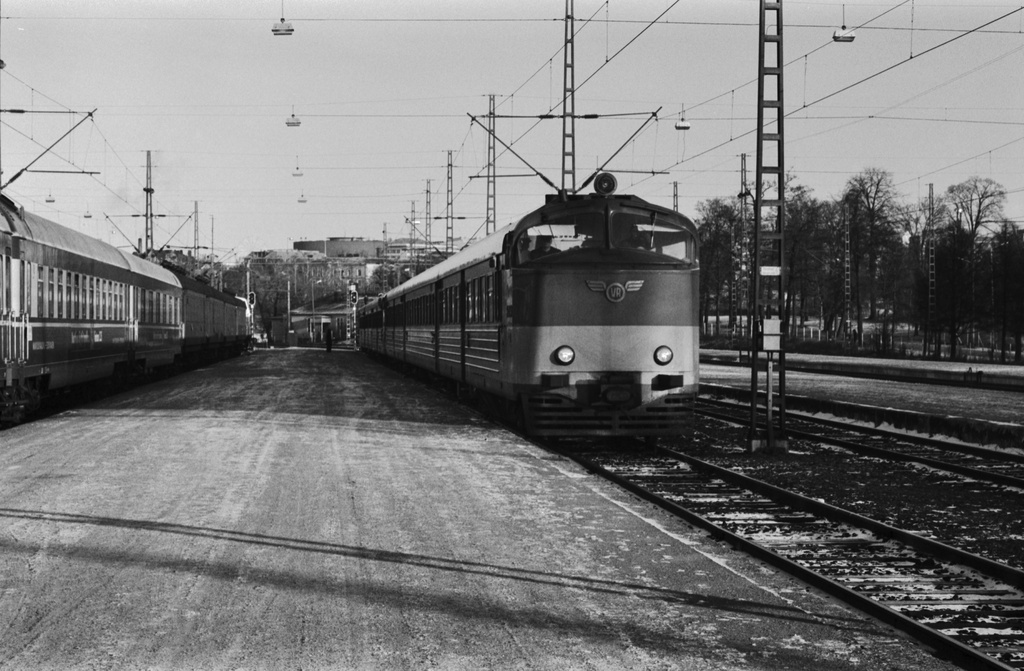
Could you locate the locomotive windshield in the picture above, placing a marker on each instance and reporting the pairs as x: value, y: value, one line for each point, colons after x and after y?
x: 643, y: 231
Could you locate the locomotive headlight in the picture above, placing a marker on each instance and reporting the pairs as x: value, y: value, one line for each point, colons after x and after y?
x: 663, y: 356
x: 564, y: 355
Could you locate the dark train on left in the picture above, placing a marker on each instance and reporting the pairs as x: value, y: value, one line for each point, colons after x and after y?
x: 75, y: 311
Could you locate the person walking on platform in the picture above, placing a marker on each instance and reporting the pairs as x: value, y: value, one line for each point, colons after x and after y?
x: 327, y: 338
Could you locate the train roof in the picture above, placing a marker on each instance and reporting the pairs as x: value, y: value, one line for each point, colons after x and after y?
x: 484, y: 249
x: 204, y: 288
x: 45, y: 232
x: 492, y: 244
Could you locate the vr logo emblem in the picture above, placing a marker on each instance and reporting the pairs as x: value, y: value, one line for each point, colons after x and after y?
x: 615, y: 292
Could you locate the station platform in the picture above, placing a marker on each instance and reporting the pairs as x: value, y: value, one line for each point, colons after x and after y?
x: 940, y: 398
x: 977, y: 375
x: 302, y: 509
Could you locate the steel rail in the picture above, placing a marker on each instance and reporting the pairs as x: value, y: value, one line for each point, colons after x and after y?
x: 893, y: 455
x: 926, y: 441
x: 964, y: 654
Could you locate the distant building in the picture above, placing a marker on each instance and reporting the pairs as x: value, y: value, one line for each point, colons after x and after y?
x: 313, y: 264
x: 333, y: 265
x: 397, y: 250
x: 343, y: 247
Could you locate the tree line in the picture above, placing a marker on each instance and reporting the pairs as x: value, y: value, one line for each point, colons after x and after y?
x: 947, y: 272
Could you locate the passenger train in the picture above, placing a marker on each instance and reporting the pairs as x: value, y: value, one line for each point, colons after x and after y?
x: 76, y: 311
x: 581, y: 319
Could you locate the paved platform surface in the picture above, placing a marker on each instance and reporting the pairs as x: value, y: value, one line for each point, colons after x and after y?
x: 982, y: 375
x: 994, y: 369
x: 295, y: 509
x: 932, y: 399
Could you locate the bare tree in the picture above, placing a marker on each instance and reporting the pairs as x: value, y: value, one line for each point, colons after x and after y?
x: 716, y: 225
x: 871, y: 202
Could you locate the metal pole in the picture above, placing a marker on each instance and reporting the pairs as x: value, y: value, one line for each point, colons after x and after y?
x: 569, y: 105
x: 427, y: 232
x: 149, y: 203
x: 491, y: 225
x: 449, y: 235
x: 195, y: 236
x: 768, y: 302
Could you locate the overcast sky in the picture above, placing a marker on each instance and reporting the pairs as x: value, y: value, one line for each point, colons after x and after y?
x: 384, y: 88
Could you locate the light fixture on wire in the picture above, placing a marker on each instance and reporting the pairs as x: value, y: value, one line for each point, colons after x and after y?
x: 683, y: 124
x: 843, y: 35
x: 283, y: 28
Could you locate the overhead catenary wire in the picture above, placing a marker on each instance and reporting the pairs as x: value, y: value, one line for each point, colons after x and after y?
x: 661, y: 153
x: 911, y: 58
x: 608, y: 59
x: 455, y: 20
x: 849, y: 86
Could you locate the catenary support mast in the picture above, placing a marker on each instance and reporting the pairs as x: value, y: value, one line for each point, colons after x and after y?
x: 449, y: 234
x: 149, y: 204
x: 767, y: 355
x: 569, y: 105
x: 491, y: 223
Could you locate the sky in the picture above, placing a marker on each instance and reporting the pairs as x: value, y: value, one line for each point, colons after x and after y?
x: 931, y: 91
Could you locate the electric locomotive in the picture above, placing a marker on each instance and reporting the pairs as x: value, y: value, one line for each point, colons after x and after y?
x: 580, y: 319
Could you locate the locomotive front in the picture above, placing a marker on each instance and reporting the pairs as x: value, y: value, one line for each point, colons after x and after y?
x: 602, y: 320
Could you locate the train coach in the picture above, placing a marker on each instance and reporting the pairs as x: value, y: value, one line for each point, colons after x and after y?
x: 75, y: 311
x: 581, y: 319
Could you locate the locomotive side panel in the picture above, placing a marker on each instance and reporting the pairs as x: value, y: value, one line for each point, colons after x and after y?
x: 450, y: 324
x: 481, y: 340
x: 421, y: 328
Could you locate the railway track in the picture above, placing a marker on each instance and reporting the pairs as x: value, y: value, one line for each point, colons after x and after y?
x: 987, y: 465
x: 966, y: 607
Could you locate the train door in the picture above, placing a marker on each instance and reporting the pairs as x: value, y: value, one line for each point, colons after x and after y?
x: 403, y: 316
x: 132, y: 322
x: 497, y: 305
x: 5, y: 303
x: 14, y: 324
x: 435, y: 309
x: 463, y: 307
x: 5, y: 284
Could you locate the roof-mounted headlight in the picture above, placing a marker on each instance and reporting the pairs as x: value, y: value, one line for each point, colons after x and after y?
x: 605, y: 184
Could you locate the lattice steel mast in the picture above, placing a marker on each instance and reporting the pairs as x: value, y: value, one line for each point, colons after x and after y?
x: 569, y: 106
x: 490, y: 225
x: 768, y: 267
